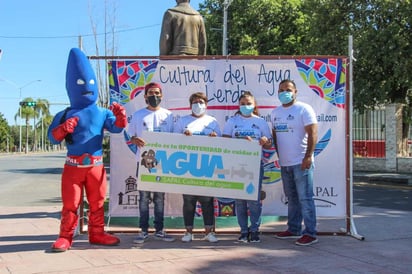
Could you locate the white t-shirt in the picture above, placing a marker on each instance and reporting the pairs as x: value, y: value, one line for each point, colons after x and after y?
x: 203, y: 125
x: 144, y: 119
x: 254, y: 126
x: 289, y: 124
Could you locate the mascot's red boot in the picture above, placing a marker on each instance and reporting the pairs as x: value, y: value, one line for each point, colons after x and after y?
x: 68, y: 224
x: 97, y: 235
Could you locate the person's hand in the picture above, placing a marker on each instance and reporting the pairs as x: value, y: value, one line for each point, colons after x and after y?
x: 306, y: 162
x: 248, y: 138
x: 120, y: 113
x: 138, y: 141
x: 68, y: 126
x: 263, y: 140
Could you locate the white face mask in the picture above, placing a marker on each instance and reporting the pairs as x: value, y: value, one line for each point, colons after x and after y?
x: 198, y: 109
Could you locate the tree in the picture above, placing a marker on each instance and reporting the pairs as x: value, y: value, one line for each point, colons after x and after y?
x: 28, y: 112
x: 5, y: 137
x: 256, y: 27
x: 381, y: 30
x: 41, y: 111
x: 109, y: 46
x: 382, y: 42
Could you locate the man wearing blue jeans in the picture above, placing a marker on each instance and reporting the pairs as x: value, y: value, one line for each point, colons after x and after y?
x: 156, y: 119
x: 294, y: 128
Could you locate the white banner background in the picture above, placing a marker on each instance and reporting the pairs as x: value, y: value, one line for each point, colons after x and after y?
x: 223, y: 80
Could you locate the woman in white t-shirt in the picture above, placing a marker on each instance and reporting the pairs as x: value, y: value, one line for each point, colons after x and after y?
x: 249, y: 125
x: 198, y: 123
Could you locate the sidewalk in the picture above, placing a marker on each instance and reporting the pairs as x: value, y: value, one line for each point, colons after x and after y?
x: 383, y: 177
x: 28, y: 232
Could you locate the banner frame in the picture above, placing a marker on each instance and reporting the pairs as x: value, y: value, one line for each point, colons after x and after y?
x: 350, y: 229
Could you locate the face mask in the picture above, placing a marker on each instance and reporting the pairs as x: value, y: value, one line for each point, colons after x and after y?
x: 198, y: 109
x: 285, y: 97
x: 153, y: 100
x: 246, y: 110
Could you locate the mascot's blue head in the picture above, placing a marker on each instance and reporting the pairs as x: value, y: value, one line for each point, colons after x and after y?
x: 81, y: 83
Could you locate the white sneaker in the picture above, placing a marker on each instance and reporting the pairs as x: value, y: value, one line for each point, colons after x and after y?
x: 211, y: 237
x: 188, y: 237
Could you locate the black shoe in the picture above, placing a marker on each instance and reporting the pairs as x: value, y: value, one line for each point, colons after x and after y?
x: 244, y: 238
x: 254, y: 237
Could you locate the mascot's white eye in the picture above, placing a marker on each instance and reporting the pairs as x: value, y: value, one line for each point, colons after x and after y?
x: 80, y: 82
x: 91, y: 82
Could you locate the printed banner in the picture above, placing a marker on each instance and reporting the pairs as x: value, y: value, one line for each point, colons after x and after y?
x: 198, y: 165
x: 320, y: 83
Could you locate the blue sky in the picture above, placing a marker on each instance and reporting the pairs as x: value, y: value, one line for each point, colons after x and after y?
x: 36, y: 37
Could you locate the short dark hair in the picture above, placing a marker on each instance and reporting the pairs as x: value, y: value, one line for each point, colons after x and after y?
x: 288, y: 81
x: 198, y: 95
x: 246, y: 93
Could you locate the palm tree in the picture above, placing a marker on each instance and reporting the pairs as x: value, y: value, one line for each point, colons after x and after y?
x: 32, y: 112
x: 43, y: 113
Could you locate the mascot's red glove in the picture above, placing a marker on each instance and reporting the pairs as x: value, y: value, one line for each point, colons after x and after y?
x: 65, y: 128
x: 120, y: 112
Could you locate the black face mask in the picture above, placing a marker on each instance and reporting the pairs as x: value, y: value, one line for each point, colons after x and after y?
x: 153, y: 100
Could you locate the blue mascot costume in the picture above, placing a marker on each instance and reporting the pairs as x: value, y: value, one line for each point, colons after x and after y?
x: 82, y: 125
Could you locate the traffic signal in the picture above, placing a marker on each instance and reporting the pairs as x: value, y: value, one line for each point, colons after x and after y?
x: 28, y: 104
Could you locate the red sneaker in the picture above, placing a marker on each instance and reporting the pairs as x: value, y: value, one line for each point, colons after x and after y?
x: 306, y: 240
x: 286, y: 235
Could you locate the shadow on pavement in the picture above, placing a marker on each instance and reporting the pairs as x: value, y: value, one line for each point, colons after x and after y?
x: 38, y: 170
x: 31, y: 215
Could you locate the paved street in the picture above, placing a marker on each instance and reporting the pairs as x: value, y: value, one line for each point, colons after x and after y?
x: 29, y: 220
x: 30, y: 180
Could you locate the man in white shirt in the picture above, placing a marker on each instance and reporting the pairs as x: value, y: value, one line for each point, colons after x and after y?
x: 295, y: 133
x: 157, y: 119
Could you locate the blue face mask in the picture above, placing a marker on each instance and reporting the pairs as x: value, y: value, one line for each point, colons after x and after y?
x: 285, y: 97
x: 246, y: 110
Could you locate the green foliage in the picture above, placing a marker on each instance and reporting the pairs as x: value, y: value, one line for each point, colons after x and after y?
x: 30, y: 109
x: 5, y: 137
x: 255, y: 27
x: 381, y: 30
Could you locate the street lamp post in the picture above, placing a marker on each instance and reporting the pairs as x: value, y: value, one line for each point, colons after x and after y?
x: 20, y: 89
x: 226, y: 5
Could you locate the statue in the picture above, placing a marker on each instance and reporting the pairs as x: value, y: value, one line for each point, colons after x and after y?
x: 183, y: 31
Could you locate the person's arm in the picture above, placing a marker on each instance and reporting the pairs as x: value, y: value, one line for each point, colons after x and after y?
x: 166, y: 36
x: 202, y: 38
x: 133, y: 132
x: 312, y: 132
x: 275, y: 143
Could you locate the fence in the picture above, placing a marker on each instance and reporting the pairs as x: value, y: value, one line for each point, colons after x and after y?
x: 369, y: 133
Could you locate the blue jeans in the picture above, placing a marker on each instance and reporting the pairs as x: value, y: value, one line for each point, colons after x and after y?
x: 255, y: 209
x: 145, y: 198
x: 298, y: 187
x: 144, y: 201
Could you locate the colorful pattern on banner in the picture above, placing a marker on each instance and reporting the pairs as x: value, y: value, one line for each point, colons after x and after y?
x: 320, y: 82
